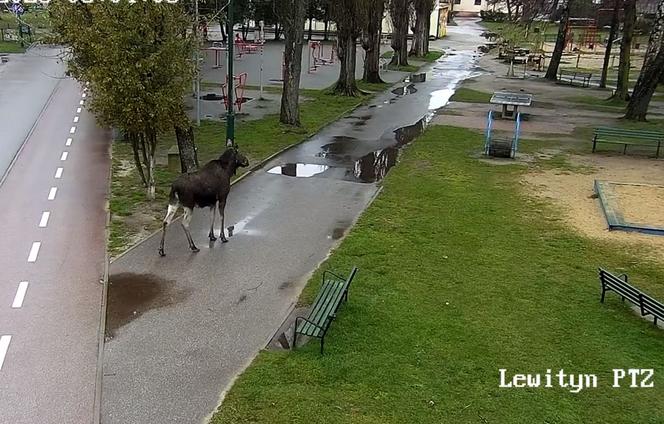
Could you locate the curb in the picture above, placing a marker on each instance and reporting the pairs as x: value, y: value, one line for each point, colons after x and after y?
x: 104, y: 300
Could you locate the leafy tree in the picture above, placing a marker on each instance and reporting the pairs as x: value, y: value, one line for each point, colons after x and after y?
x: 137, y: 61
x: 651, y: 72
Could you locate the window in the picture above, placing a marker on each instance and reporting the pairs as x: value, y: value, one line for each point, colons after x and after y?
x: 457, y: 1
x: 478, y: 2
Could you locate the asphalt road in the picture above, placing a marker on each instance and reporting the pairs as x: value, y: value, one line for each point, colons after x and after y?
x: 52, y: 249
x: 26, y: 83
x: 182, y: 327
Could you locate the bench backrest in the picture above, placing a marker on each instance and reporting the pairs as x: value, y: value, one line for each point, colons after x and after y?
x: 620, y: 133
x: 349, y: 280
x: 651, y: 306
x: 619, y: 285
x: 572, y: 72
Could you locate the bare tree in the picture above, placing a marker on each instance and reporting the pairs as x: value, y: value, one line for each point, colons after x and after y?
x: 423, y: 10
x: 400, y: 18
x: 615, y: 21
x: 347, y: 15
x: 552, y: 70
x: 651, y: 72
x: 626, y: 50
x: 373, y: 10
x: 292, y: 15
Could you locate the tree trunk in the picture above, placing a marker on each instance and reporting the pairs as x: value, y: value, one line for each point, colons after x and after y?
x: 135, y: 147
x: 419, y: 34
x: 400, y: 17
x: 294, y: 38
x: 371, y: 43
x: 222, y: 24
x: 622, y: 86
x: 651, y: 72
x: 552, y: 70
x: 346, y: 85
x: 509, y: 9
x: 615, y: 20
x: 277, y: 31
x: 187, y: 148
x: 326, y: 35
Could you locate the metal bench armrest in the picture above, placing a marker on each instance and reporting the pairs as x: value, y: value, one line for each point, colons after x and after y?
x: 333, y: 274
x: 309, y: 321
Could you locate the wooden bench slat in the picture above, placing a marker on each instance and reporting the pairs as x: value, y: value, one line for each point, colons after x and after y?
x: 317, y: 314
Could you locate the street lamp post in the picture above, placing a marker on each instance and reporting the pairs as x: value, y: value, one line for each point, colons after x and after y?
x: 230, y: 117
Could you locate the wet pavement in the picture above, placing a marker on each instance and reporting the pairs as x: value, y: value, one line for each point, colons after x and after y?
x: 199, y: 318
x: 26, y: 83
x: 52, y: 245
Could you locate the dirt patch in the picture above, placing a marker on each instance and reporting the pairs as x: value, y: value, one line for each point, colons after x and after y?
x: 126, y: 167
x: 641, y: 204
x: 573, y: 194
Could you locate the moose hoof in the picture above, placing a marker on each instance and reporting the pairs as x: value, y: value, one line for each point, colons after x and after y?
x: 161, y: 253
x: 212, y: 238
x: 224, y: 240
x: 195, y: 249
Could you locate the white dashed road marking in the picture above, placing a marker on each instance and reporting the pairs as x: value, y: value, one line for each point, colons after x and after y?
x: 64, y: 155
x: 72, y: 130
x: 20, y: 294
x: 34, y: 251
x: 52, y: 192
x: 78, y: 110
x: 84, y: 95
x: 68, y: 143
x: 75, y: 119
x: 43, y: 222
x: 4, y: 345
x: 81, y: 102
x: 58, y: 173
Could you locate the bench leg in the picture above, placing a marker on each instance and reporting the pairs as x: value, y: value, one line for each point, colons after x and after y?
x: 657, y: 154
x: 655, y: 321
x: 294, y: 338
x: 602, y: 298
x: 322, y: 343
x: 625, y: 150
x: 594, y: 143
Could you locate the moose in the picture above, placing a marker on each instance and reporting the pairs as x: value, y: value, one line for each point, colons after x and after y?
x: 205, y: 188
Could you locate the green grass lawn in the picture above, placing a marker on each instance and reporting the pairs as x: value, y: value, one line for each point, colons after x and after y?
x: 469, y: 95
x: 133, y: 216
x: 606, y: 104
x: 460, y: 275
x: 11, y: 47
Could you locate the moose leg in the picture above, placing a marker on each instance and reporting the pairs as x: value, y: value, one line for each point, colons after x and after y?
x: 222, y: 206
x: 185, y: 225
x: 172, y: 210
x: 213, y: 213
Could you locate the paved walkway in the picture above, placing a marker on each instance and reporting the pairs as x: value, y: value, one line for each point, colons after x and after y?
x: 182, y: 327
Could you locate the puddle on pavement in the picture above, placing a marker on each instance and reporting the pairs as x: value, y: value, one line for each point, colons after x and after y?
x: 404, y: 91
x: 299, y: 170
x: 374, y: 166
x: 131, y: 295
x: 338, y: 149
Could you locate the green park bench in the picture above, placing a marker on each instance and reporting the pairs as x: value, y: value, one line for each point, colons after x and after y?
x: 333, y: 291
x: 571, y: 76
x: 628, y: 138
x: 620, y: 285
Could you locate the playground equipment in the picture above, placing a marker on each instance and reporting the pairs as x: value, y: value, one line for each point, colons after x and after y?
x: 501, y: 147
x: 239, y: 84
x: 586, y: 31
x: 317, y: 56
